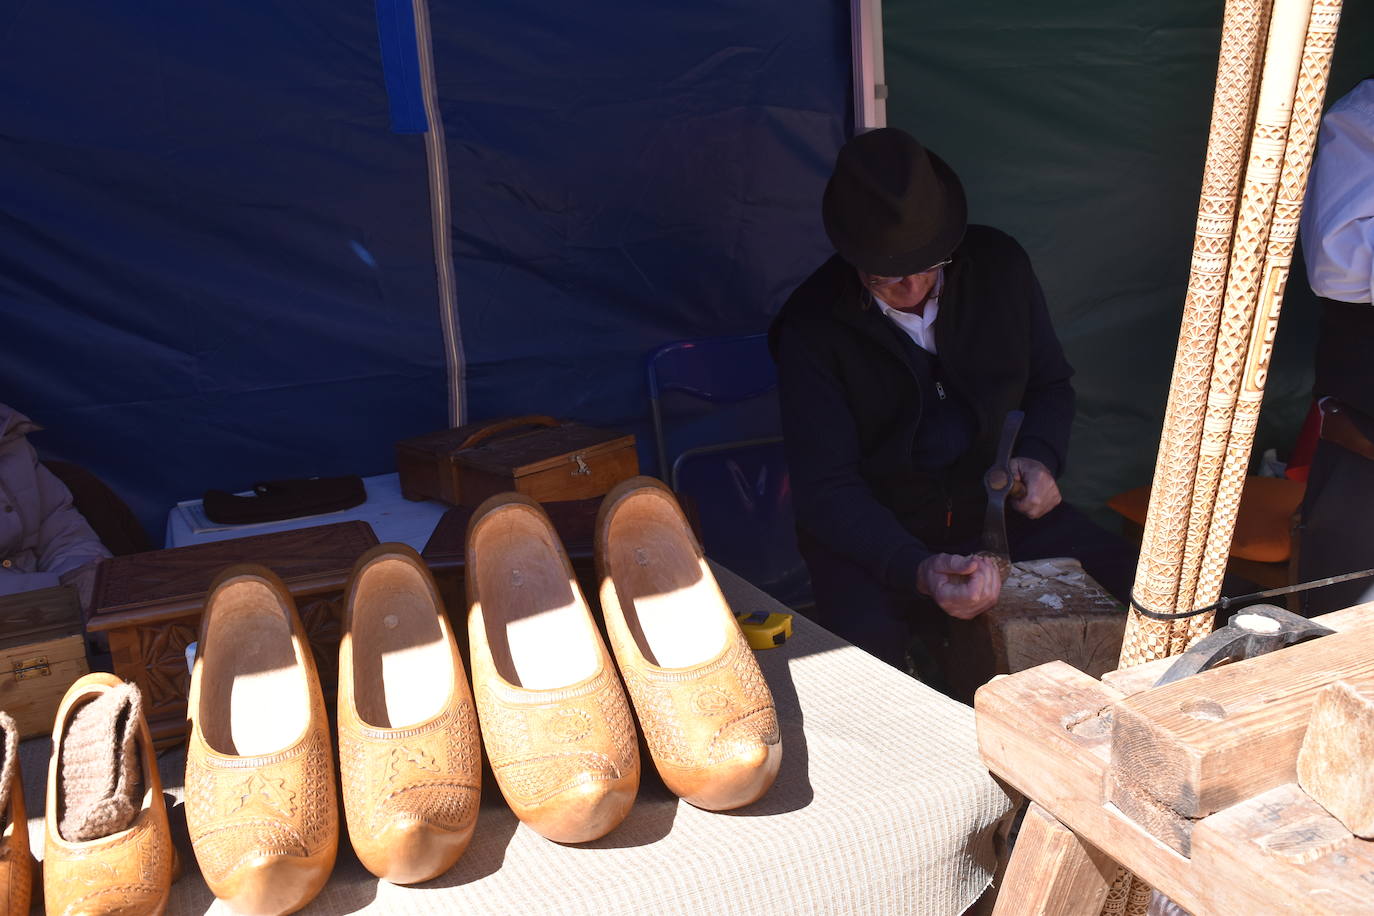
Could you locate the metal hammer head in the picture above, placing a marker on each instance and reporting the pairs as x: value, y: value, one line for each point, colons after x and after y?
x: 1254, y: 631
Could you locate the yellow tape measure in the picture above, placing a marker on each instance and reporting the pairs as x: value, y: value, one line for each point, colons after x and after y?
x: 764, y: 629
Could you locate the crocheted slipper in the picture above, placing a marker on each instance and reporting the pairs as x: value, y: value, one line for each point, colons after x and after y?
x: 99, y: 772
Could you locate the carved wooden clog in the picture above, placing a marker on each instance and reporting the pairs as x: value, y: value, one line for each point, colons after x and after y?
x: 705, y: 709
x: 554, y: 718
x: 260, y: 791
x: 410, y: 757
x: 129, y: 872
x: 17, y: 864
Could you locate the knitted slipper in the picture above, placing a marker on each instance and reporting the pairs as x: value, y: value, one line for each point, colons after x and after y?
x: 99, y: 775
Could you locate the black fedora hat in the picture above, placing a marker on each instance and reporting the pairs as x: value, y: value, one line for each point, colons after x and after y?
x: 893, y: 207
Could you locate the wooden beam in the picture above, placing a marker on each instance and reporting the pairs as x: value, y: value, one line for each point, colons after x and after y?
x: 1284, y: 837
x: 1191, y: 748
x: 1064, y: 710
x: 1039, y: 730
x: 1053, y: 872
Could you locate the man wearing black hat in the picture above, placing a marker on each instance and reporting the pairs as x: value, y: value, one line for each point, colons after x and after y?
x: 898, y: 361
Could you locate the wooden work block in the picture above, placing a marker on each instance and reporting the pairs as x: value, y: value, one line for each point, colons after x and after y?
x: 1191, y: 748
x: 1336, y: 760
x: 1049, y: 610
x: 1140, y: 677
x: 149, y: 604
x: 1054, y: 873
x: 1281, y: 852
x: 1047, y: 732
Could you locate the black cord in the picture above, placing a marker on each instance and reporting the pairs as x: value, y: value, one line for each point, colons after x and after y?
x: 1156, y: 615
x: 1225, y: 603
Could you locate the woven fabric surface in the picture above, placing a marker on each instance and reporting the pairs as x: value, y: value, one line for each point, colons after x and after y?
x: 881, y: 806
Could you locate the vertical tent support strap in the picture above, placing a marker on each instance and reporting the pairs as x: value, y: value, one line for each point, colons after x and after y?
x: 870, y: 86
x: 441, y: 217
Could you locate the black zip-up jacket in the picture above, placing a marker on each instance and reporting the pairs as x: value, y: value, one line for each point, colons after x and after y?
x: 851, y: 404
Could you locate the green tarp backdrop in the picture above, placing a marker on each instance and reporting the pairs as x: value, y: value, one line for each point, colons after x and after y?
x: 1081, y: 129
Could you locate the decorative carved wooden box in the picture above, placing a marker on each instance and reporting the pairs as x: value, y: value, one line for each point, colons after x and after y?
x: 42, y: 653
x: 446, y: 555
x: 150, y: 604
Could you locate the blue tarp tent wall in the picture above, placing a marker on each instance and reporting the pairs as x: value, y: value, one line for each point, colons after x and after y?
x: 217, y: 246
x: 216, y: 256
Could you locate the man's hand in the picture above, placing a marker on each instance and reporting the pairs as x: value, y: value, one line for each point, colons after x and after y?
x: 1042, y: 493
x: 963, y: 587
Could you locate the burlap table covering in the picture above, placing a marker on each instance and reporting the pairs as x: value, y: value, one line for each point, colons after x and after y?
x: 881, y: 806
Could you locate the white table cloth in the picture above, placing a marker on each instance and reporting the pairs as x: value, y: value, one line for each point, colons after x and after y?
x: 391, y: 515
x: 881, y: 806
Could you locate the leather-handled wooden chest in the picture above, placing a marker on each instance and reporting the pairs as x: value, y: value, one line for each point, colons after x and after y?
x: 538, y: 456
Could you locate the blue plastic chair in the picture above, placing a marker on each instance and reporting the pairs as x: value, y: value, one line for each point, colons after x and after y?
x: 737, y: 489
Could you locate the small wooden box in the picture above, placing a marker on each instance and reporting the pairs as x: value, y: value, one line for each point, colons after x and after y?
x: 536, y: 455
x: 42, y: 653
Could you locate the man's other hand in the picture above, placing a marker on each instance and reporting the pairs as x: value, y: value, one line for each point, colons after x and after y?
x: 963, y: 587
x: 1042, y: 493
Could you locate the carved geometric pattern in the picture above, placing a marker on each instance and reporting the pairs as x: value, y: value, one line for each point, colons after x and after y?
x: 658, y: 717
x: 1201, y: 584
x: 1157, y: 576
x: 537, y: 779
x: 220, y: 849
x: 517, y: 726
x: 272, y: 793
x: 615, y: 713
x: 238, y: 808
x: 702, y: 716
x: 1301, y: 131
x: 568, y: 725
x: 162, y: 658
x: 430, y: 773
x: 129, y: 872
x: 403, y: 759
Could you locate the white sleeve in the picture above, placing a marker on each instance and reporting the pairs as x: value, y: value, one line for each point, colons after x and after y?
x: 1338, y: 215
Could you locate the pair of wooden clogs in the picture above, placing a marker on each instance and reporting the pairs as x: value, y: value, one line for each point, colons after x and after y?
x: 556, y: 725
x: 260, y: 780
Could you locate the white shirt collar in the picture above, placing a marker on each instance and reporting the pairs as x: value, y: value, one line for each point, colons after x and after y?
x: 920, y: 328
